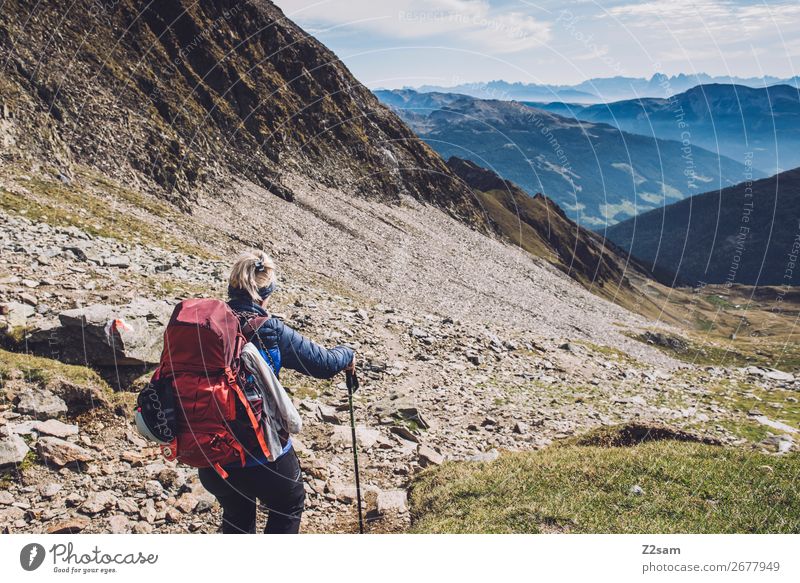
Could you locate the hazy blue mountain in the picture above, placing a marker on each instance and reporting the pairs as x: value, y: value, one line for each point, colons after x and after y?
x: 514, y: 91
x: 663, y: 86
x: 597, y: 173
x: 759, y: 124
x: 748, y: 234
x: 601, y: 90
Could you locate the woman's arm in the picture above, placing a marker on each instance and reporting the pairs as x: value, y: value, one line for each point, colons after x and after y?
x: 301, y: 354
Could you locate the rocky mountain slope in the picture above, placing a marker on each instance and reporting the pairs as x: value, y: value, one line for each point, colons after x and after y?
x: 598, y: 174
x: 469, y: 346
x: 759, y: 124
x: 538, y: 225
x: 178, y: 96
x: 746, y: 234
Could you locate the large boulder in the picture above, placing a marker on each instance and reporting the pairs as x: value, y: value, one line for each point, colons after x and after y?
x: 15, y: 314
x: 12, y: 450
x: 104, y: 335
x: 392, y: 501
x: 40, y: 403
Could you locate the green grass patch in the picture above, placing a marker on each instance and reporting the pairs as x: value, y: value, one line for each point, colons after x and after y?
x: 39, y: 370
x: 99, y: 215
x: 608, y: 352
x: 748, y: 429
x: 687, y: 488
x: 301, y: 386
x: 720, y: 302
x: 739, y: 352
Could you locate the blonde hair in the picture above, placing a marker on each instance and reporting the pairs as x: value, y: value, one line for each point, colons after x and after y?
x: 244, y: 275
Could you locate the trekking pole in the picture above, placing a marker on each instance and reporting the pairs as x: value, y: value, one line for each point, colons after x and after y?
x: 352, y: 387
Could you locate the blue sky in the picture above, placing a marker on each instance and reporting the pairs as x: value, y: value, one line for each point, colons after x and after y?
x: 395, y: 43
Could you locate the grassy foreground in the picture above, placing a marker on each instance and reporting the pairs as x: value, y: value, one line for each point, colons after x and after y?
x: 686, y: 488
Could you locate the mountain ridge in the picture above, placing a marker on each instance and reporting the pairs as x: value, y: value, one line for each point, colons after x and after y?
x: 745, y: 234
x: 596, y: 172
x: 601, y: 89
x: 734, y: 120
x: 538, y: 225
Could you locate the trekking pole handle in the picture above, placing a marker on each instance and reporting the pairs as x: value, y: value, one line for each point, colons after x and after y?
x: 352, y: 381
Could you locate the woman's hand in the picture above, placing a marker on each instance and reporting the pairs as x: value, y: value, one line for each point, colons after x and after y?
x: 352, y: 366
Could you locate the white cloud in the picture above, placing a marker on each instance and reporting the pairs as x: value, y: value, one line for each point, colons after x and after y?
x: 651, y: 197
x: 625, y: 208
x: 686, y: 18
x: 471, y: 24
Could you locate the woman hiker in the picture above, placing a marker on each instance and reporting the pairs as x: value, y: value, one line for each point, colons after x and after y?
x: 277, y: 484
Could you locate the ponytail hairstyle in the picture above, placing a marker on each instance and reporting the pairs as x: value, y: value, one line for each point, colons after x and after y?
x: 252, y: 275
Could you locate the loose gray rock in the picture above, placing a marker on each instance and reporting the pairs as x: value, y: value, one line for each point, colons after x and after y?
x: 148, y: 511
x: 366, y: 437
x: 29, y: 299
x: 520, y: 428
x: 105, y: 335
x: 50, y: 490
x: 154, y: 489
x: 119, y: 524
x: 327, y: 414
x: 55, y: 428
x: 120, y: 261
x: 342, y: 492
x: 170, y: 478
x: 404, y: 433
x: 13, y: 450
x: 81, y: 397
x: 40, y: 403
x: 11, y: 514
x: 72, y: 525
x: 429, y: 456
x: 402, y: 407
x: 127, y: 505
x: 392, y: 501
x: 197, y: 500
x: 60, y: 453
x: 16, y: 313
x: 97, y: 502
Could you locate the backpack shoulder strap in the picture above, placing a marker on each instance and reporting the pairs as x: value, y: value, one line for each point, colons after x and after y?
x: 250, y: 324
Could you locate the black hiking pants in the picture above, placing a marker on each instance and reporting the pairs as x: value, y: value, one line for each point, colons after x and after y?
x: 278, y: 485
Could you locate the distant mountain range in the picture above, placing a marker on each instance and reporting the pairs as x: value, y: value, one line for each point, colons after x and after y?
x: 602, y: 90
x: 747, y: 234
x: 597, y: 173
x: 757, y: 124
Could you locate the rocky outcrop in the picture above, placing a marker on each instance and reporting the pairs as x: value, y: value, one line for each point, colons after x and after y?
x: 104, y: 335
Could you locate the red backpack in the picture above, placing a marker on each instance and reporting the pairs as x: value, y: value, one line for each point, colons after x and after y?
x: 214, y: 422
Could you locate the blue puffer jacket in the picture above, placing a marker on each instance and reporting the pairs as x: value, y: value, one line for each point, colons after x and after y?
x: 286, y: 347
x: 293, y: 350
